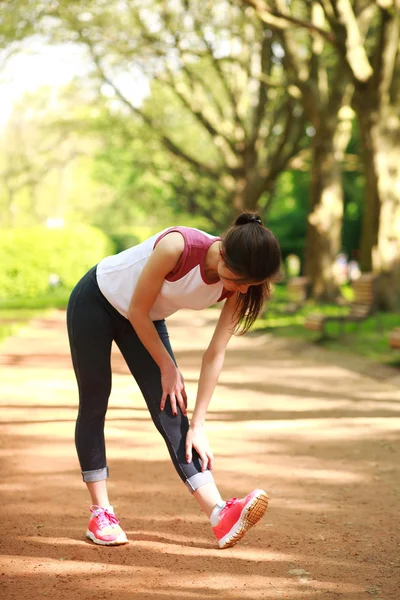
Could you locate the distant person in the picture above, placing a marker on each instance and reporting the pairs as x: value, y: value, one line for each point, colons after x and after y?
x: 353, y: 270
x: 340, y: 269
x: 127, y: 298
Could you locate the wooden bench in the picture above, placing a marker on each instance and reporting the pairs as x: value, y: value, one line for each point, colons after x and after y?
x: 363, y: 306
x: 394, y: 338
x: 298, y: 290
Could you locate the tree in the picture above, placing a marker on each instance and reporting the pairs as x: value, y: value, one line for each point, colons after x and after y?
x: 148, y: 183
x: 365, y: 37
x: 46, y: 158
x: 369, y: 41
x: 30, y: 153
x: 325, y: 93
x: 219, y: 64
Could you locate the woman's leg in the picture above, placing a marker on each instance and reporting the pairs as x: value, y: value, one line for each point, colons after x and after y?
x: 92, y: 323
x: 230, y: 520
x: 98, y: 493
x: 90, y: 333
x: 173, y: 429
x: 208, y: 497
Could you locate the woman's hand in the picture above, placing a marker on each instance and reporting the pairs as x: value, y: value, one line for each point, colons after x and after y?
x: 196, y: 438
x: 173, y: 386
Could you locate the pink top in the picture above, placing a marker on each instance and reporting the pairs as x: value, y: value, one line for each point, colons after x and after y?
x: 184, y: 287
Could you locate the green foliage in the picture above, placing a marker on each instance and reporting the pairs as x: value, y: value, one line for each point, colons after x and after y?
x: 46, y: 158
x: 149, y: 186
x: 177, y: 81
x: 288, y: 215
x: 127, y: 237
x: 53, y: 298
x: 353, y: 184
x: 122, y: 241
x: 368, y: 338
x: 30, y: 256
x: 204, y: 82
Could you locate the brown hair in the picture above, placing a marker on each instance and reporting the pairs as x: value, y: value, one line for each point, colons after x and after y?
x: 252, y: 252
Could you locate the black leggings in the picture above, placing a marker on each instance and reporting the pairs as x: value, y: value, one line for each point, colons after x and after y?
x: 92, y: 326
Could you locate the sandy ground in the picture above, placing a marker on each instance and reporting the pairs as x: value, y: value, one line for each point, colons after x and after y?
x: 321, y: 438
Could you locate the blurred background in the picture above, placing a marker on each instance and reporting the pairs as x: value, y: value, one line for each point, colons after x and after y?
x: 121, y: 118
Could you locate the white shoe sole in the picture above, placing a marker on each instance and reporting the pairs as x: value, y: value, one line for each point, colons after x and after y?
x: 118, y: 542
x: 250, y: 515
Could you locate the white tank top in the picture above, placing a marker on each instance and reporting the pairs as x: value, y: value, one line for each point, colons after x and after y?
x: 185, y: 287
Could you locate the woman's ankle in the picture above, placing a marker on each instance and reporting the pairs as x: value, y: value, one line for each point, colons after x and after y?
x: 98, y: 493
x: 208, y: 496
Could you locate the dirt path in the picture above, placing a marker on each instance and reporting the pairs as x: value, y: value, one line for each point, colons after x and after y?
x: 323, y: 440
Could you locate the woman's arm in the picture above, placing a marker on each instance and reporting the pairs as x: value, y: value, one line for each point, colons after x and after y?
x: 211, y: 366
x: 163, y: 260
x: 213, y: 360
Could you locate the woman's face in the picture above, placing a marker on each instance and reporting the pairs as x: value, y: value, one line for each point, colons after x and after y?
x: 231, y: 281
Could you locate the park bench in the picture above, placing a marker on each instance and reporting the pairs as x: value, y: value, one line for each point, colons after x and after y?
x: 362, y: 307
x: 394, y: 338
x: 297, y: 289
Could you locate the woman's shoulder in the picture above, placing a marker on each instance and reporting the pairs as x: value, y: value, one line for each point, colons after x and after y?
x: 191, y: 235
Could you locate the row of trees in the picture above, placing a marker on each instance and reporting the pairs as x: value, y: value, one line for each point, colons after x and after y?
x: 239, y: 92
x: 360, y: 67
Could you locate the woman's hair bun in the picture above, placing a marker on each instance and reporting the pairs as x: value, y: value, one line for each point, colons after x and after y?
x: 248, y: 217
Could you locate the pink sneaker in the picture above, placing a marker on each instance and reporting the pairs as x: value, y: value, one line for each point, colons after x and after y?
x: 103, y: 528
x: 238, y: 516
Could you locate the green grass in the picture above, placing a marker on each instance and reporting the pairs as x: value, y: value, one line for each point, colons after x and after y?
x: 17, y: 312
x: 13, y: 319
x: 368, y: 338
x: 57, y: 298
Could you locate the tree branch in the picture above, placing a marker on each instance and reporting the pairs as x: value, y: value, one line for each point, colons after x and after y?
x: 167, y: 142
x: 220, y: 140
x: 300, y: 73
x: 32, y: 177
x: 280, y: 158
x: 390, y: 51
x: 355, y: 52
x: 259, y: 111
x: 217, y: 66
x: 193, y: 77
x: 279, y: 20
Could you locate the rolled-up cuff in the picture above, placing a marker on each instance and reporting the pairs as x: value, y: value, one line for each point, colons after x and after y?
x: 196, y: 481
x: 97, y: 475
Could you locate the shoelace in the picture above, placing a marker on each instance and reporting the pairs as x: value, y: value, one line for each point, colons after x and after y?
x: 106, y: 518
x: 228, y: 504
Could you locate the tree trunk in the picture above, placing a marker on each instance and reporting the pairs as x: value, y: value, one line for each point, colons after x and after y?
x: 239, y: 203
x: 366, y: 107
x: 248, y: 192
x: 324, y: 222
x: 324, y: 232
x: 249, y: 187
x: 378, y: 107
x: 380, y: 243
x: 386, y: 255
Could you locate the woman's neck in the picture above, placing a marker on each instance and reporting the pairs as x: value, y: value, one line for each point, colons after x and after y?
x: 211, y: 261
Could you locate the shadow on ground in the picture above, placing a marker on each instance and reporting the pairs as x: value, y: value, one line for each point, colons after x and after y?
x: 323, y: 441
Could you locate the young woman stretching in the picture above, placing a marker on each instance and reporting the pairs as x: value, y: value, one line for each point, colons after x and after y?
x: 127, y: 298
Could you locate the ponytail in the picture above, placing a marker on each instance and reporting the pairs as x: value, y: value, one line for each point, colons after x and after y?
x: 252, y: 252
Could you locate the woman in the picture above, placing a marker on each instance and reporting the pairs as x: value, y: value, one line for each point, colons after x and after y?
x: 127, y: 298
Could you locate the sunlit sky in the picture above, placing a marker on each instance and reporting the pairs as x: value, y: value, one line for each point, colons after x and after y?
x: 36, y: 66
x: 42, y: 65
